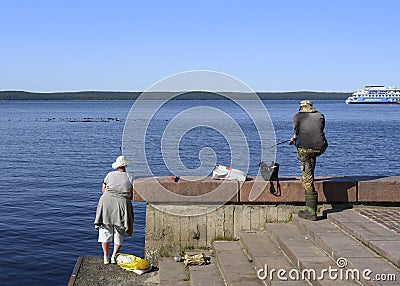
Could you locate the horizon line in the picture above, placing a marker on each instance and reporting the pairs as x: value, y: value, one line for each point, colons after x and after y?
x: 174, y: 91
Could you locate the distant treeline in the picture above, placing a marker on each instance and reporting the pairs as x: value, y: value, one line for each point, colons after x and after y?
x: 112, y: 95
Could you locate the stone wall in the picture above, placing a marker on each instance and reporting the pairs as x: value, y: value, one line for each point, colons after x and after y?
x: 167, y: 234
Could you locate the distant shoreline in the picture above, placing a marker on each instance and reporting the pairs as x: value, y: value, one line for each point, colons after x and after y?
x: 113, y: 95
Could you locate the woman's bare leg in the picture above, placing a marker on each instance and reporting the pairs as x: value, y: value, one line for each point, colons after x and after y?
x: 106, y: 247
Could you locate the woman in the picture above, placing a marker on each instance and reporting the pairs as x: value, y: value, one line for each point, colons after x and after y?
x: 114, y: 214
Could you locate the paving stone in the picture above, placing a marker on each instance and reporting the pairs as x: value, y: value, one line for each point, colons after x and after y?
x: 294, y: 243
x: 368, y: 231
x: 384, y: 241
x: 312, y: 227
x: 234, y: 264
x: 378, y: 266
x: 331, y: 239
x: 390, y: 249
x: 320, y: 276
x: 206, y: 275
x: 345, y: 249
x: 347, y: 215
x: 340, y: 245
x: 258, y: 244
x: 388, y: 217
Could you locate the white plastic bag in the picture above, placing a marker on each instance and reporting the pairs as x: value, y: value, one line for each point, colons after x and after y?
x: 225, y: 173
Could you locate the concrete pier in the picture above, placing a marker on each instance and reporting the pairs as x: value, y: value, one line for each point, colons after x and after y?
x: 189, y: 219
x: 357, y: 216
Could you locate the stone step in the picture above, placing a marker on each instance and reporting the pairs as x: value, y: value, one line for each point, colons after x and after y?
x: 384, y: 241
x: 175, y: 273
x: 304, y: 254
x: 348, y: 253
x: 172, y: 273
x: 205, y: 275
x: 234, y: 264
x: 266, y: 256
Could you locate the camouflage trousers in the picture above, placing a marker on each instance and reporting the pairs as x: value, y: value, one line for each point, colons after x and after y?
x: 307, y: 159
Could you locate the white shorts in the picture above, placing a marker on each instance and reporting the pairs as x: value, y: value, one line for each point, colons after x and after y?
x: 109, y: 232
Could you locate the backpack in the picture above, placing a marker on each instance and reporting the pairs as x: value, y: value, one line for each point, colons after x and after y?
x: 269, y: 173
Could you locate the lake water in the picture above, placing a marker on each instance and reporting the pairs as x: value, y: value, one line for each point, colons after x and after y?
x: 55, y: 154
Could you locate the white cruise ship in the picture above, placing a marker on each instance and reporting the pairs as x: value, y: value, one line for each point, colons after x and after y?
x: 375, y: 94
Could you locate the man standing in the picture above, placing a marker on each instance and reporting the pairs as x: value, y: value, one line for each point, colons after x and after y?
x: 309, y: 138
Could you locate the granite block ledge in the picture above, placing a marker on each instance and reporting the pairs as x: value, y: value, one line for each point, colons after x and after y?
x: 357, y: 189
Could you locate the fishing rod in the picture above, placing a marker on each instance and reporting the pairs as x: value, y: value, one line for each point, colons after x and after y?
x: 278, y: 144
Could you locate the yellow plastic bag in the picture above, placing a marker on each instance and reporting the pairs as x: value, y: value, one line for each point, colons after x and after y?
x: 131, y: 262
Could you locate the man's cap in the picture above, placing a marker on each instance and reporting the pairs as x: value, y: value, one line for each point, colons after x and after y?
x: 305, y: 103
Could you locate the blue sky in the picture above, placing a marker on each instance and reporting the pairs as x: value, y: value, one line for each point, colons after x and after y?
x: 285, y: 45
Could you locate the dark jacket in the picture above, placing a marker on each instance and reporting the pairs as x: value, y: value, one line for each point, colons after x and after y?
x: 309, y: 129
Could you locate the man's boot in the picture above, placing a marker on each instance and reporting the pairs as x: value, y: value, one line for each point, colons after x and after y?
x: 310, y: 212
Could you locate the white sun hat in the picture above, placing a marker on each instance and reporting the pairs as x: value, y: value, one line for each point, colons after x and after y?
x: 120, y: 162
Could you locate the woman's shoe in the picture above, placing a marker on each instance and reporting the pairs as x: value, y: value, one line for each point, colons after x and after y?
x: 106, y: 260
x: 113, y: 260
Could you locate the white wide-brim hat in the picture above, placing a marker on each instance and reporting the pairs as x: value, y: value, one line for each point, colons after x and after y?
x: 120, y: 162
